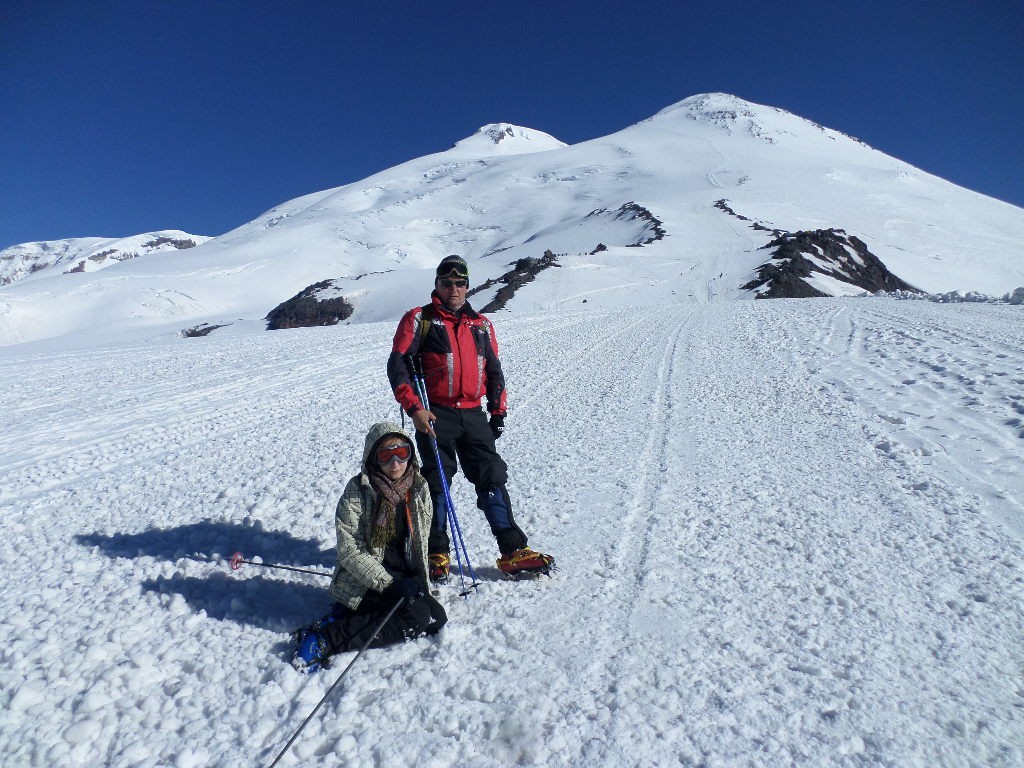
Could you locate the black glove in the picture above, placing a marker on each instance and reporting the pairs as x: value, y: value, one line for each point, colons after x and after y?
x: 410, y: 588
x: 497, y: 426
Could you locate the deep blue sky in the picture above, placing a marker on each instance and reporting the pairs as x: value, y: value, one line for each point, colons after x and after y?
x: 124, y: 117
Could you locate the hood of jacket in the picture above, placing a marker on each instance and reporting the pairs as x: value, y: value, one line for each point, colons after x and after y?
x: 381, y: 430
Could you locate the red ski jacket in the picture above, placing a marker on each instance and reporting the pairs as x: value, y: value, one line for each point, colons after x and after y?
x: 459, y: 352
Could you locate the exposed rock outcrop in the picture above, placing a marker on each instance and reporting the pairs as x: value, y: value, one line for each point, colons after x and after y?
x: 653, y: 228
x: 201, y: 330
x: 723, y: 205
x: 317, y: 304
x: 522, y: 272
x: 810, y: 263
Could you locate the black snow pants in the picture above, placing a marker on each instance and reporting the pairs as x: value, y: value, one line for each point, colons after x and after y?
x: 464, y: 439
x: 351, y: 628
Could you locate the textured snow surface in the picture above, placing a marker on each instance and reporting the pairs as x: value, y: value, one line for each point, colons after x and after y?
x: 789, y: 534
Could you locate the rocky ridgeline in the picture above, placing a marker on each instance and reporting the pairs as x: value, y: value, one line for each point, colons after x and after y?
x: 113, y: 254
x: 723, y: 205
x: 78, y: 255
x: 652, y: 228
x: 522, y: 272
x: 827, y: 252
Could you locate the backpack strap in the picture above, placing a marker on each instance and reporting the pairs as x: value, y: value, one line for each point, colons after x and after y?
x: 426, y: 315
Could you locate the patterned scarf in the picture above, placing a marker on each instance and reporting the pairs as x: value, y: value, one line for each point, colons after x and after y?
x: 392, y: 493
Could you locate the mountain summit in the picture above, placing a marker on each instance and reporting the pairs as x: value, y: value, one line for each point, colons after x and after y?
x: 676, y: 208
x: 733, y: 116
x: 507, y: 139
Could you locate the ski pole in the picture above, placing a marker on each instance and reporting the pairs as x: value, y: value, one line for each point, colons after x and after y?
x: 449, y: 506
x: 453, y: 520
x: 237, y: 560
x: 335, y: 684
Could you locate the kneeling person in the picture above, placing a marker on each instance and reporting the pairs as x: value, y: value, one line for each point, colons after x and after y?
x: 383, y: 524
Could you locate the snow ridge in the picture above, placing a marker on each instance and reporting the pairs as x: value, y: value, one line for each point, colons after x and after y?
x: 87, y: 254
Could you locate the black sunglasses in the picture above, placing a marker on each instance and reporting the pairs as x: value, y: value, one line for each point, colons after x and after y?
x: 453, y: 283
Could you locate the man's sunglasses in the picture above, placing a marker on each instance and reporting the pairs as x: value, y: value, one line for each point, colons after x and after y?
x: 401, y: 453
x: 452, y: 283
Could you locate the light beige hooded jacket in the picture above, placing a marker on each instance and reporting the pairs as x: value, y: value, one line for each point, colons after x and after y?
x: 359, y: 563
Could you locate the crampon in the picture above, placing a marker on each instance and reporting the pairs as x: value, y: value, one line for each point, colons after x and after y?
x: 439, y: 568
x: 525, y: 564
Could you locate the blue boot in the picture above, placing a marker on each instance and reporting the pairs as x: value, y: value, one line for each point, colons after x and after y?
x: 312, y: 650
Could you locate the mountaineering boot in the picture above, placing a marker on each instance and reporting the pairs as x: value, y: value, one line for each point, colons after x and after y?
x: 312, y: 650
x: 439, y: 565
x: 525, y: 561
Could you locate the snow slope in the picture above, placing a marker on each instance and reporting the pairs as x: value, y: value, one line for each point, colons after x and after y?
x: 789, y: 532
x: 87, y: 254
x: 508, y: 192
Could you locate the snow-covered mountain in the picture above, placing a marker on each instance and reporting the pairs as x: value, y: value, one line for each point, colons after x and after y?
x: 504, y: 139
x: 788, y: 533
x: 682, y: 203
x: 87, y: 254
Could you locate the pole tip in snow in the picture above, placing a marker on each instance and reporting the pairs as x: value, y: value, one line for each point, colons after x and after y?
x: 469, y: 591
x: 236, y: 561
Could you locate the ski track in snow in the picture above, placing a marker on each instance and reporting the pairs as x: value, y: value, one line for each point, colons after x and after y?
x: 789, y: 533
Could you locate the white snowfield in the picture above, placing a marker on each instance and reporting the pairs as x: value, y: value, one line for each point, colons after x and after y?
x: 789, y: 534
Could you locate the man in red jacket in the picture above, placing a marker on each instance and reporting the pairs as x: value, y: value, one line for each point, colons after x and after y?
x: 459, y: 354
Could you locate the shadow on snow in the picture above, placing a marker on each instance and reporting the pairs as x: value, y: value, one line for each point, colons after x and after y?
x: 276, y: 604
x: 267, y: 603
x: 211, y: 541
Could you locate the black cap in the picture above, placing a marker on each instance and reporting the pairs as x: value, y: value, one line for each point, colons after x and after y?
x: 453, y: 266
